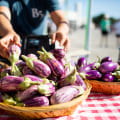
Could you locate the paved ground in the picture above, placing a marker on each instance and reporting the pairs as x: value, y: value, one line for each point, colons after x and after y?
x: 77, y: 39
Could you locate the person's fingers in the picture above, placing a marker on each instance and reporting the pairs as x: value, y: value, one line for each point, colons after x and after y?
x: 62, y: 41
x: 66, y: 44
x: 4, y: 43
x: 16, y: 40
x: 53, y: 37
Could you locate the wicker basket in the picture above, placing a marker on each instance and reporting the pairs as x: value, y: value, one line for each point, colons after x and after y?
x: 47, y: 111
x: 105, y: 87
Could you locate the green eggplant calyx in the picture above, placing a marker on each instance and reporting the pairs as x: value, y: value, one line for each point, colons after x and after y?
x: 82, y: 75
x: 44, y: 89
x: 27, y: 83
x: 45, y: 80
x: 15, y: 70
x: 72, y: 77
x: 14, y: 58
x: 8, y: 100
x: 29, y: 61
x: 47, y: 54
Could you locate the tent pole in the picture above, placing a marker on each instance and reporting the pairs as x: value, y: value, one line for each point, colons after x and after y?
x: 87, y: 29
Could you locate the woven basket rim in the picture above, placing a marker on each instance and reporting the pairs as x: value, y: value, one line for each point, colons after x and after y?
x: 97, y: 81
x: 50, y: 107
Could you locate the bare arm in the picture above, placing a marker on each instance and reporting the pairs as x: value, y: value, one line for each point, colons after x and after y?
x: 62, y: 29
x: 58, y: 17
x: 5, y: 17
x: 9, y: 36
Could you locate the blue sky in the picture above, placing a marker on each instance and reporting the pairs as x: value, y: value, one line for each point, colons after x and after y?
x: 109, y: 7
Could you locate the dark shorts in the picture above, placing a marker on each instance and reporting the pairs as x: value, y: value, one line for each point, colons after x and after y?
x: 105, y: 33
x: 118, y: 35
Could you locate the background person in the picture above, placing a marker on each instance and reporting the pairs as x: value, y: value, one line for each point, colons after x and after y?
x: 105, y: 29
x: 117, y: 32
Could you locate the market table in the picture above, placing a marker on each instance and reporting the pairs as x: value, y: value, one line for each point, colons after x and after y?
x: 97, y: 106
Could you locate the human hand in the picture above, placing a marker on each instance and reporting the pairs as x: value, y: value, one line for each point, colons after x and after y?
x: 6, y: 41
x: 62, y: 39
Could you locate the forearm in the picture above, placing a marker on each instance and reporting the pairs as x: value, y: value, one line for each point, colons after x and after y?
x: 59, y: 19
x: 5, y: 25
x: 63, y: 27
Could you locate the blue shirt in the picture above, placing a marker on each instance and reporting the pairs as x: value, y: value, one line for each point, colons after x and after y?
x: 29, y: 16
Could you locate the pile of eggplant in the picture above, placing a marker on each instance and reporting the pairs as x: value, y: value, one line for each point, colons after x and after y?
x: 103, y: 70
x: 39, y: 81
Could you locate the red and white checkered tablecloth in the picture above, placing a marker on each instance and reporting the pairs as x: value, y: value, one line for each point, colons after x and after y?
x: 97, y: 106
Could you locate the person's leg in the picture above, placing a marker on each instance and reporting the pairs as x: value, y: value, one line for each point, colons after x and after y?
x: 102, y: 39
x: 118, y: 41
x: 106, y: 40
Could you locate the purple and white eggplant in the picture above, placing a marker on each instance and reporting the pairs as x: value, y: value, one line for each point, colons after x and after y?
x: 55, y: 66
x: 47, y: 89
x: 66, y: 94
x: 37, y: 101
x: 39, y: 67
x: 32, y: 56
x: 27, y: 94
x: 27, y: 71
x: 58, y: 53
x: 14, y: 53
x: 14, y: 83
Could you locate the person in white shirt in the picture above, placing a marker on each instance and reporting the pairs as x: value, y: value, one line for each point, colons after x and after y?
x: 117, y: 32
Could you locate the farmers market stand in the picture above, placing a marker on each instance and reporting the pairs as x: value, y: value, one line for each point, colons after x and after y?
x: 97, y: 106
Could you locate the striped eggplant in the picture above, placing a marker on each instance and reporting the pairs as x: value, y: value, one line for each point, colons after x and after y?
x: 37, y: 101
x: 107, y: 67
x: 32, y: 56
x: 46, y: 89
x: 34, y: 78
x: 66, y: 94
x: 58, y: 53
x: 55, y: 66
x: 14, y: 53
x: 91, y: 75
x: 72, y: 79
x: 37, y: 78
x: 20, y: 64
x: 80, y: 81
x: 27, y: 71
x: 69, y: 68
x: 14, y: 83
x: 39, y: 67
x: 69, y: 80
x: 62, y: 61
x: 27, y: 94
